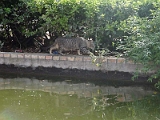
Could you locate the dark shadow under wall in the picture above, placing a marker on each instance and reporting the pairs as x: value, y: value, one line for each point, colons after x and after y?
x: 83, y: 75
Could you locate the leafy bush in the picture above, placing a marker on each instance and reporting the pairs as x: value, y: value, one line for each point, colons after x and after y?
x: 143, y: 42
x: 23, y: 20
x: 19, y: 22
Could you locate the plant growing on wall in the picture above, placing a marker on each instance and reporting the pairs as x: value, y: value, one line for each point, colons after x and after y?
x: 99, y: 58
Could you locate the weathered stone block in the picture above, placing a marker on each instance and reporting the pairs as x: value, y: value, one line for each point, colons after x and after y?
x: 13, y: 55
x: 120, y: 60
x: 20, y: 55
x: 34, y: 56
x: 42, y: 57
x: 71, y: 58
x: 63, y: 58
x: 112, y: 60
x: 6, y: 55
x: 1, y: 54
x: 55, y: 57
x: 48, y: 57
x: 27, y: 56
x: 78, y: 58
x: 87, y: 58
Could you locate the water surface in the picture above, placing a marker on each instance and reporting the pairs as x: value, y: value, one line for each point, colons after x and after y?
x: 33, y: 99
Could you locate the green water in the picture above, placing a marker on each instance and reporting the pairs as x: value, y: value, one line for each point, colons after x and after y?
x: 30, y: 99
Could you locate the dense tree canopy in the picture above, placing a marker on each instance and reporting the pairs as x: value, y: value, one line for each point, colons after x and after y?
x: 23, y: 20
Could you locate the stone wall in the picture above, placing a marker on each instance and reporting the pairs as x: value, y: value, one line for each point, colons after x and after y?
x: 66, y: 62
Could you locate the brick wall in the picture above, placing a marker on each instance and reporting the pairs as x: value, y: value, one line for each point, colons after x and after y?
x: 68, y: 61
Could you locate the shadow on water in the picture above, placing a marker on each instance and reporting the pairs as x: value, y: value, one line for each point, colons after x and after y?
x: 64, y: 98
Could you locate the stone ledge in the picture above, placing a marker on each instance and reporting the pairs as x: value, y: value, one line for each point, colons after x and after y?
x: 48, y: 57
x: 34, y: 56
x: 87, y: 58
x: 42, y: 57
x: 71, y: 58
x: 20, y: 55
x: 13, y: 55
x: 1, y: 55
x: 112, y: 60
x: 68, y: 61
x: 6, y: 55
x: 120, y: 60
x: 63, y: 58
x: 78, y: 58
x: 55, y: 58
x: 27, y: 56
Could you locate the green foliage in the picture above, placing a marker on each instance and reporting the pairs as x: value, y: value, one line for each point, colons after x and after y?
x: 142, y: 44
x: 18, y: 22
x: 99, y: 58
x: 65, y: 17
x: 23, y: 20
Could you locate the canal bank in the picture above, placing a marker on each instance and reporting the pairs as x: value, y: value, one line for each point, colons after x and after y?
x: 112, y: 68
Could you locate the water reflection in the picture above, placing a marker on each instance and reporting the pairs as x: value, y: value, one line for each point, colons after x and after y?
x: 32, y: 99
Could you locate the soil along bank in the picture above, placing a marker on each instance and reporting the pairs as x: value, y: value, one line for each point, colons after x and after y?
x: 70, y: 65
